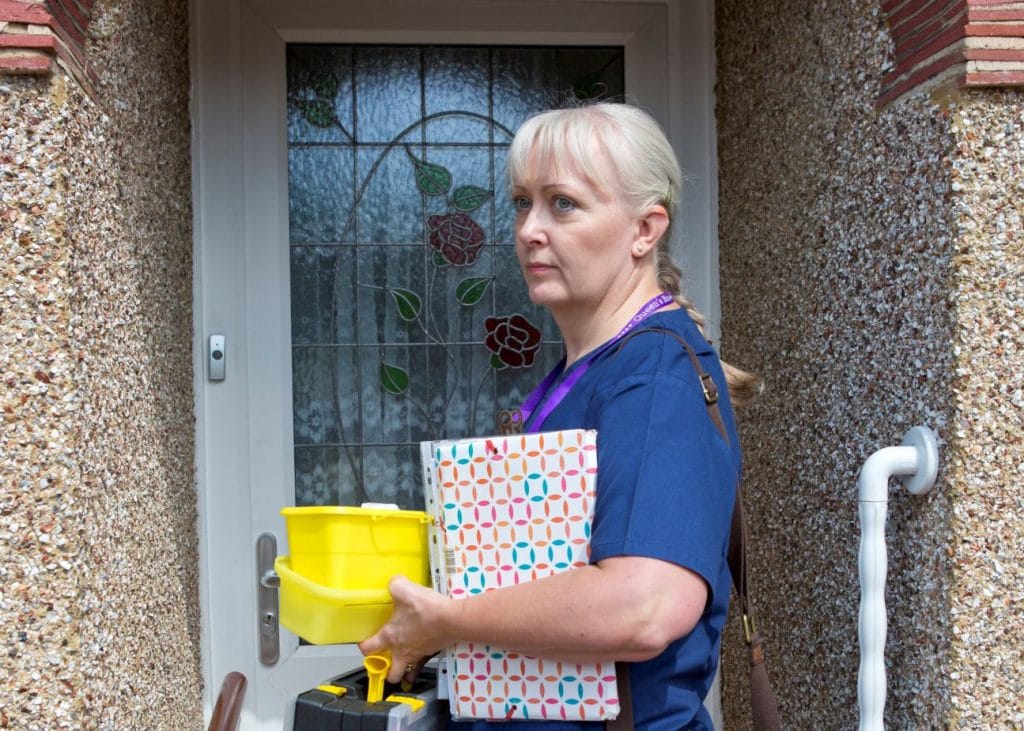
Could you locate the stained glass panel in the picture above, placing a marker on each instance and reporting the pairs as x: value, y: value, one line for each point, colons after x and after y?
x: 402, y: 260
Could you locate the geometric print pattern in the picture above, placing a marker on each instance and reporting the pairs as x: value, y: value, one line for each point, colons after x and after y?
x: 506, y: 510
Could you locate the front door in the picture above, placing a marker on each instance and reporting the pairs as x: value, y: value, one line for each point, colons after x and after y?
x: 354, y: 251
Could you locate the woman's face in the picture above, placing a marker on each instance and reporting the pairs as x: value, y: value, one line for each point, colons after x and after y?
x: 573, y: 238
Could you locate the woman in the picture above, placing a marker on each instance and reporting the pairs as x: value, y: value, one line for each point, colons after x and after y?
x: 595, y: 189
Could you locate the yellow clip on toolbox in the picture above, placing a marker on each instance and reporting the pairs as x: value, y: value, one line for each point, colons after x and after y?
x: 334, y: 582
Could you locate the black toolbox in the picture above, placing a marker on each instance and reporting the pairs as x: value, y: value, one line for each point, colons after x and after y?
x: 341, y: 705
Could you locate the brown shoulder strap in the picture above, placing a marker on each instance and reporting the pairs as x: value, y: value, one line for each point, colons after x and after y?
x: 707, y: 383
x: 764, y: 707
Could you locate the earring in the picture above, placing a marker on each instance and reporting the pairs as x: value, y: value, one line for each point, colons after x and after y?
x: 639, y: 250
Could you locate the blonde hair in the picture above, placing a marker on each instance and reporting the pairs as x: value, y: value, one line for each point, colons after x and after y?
x: 645, y: 172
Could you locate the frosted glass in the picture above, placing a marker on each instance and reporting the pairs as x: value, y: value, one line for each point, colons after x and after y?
x: 387, y: 92
x: 504, y: 214
x: 392, y: 475
x: 525, y: 82
x: 455, y: 80
x: 320, y: 194
x: 390, y: 281
x: 459, y: 322
x: 463, y: 401
x: 322, y: 277
x: 387, y: 417
x: 326, y: 475
x: 318, y: 401
x: 390, y: 208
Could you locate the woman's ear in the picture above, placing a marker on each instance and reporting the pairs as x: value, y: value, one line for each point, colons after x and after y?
x: 650, y: 228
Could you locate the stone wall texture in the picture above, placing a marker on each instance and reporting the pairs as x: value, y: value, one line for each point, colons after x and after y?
x: 99, y: 601
x: 872, y: 273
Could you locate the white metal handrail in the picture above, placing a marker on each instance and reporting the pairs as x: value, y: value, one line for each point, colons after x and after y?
x: 917, y: 460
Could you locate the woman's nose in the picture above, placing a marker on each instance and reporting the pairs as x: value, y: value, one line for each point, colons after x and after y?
x: 530, y: 229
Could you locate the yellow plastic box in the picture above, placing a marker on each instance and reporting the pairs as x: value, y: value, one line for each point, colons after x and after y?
x: 334, y: 582
x: 327, y: 616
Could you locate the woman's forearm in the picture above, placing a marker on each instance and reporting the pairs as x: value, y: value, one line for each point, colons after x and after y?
x: 624, y: 609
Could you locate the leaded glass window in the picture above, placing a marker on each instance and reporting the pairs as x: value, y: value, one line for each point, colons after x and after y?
x: 410, y: 320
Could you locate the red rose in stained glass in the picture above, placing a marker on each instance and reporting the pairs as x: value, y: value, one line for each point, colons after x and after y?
x: 513, y: 339
x: 457, y: 236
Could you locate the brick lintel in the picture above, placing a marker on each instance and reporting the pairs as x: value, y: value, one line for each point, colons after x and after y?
x: 938, y: 43
x: 995, y: 29
x: 896, y: 86
x: 72, y: 27
x: 909, y: 57
x: 55, y: 27
x: 39, y: 41
x: 994, y: 78
x: 1016, y: 55
x: 19, y: 11
x: 920, y: 14
x: 25, y: 65
x: 992, y: 16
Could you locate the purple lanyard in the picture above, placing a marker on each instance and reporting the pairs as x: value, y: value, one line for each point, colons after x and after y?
x: 563, y: 388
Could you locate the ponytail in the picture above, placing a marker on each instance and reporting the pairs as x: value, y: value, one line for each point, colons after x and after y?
x: 743, y: 386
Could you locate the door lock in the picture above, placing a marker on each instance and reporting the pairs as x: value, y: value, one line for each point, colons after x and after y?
x: 267, y: 582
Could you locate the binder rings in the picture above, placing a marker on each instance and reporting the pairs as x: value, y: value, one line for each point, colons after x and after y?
x: 510, y: 509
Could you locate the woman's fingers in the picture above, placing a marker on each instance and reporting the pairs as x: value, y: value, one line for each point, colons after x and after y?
x: 371, y: 645
x: 412, y: 670
x: 396, y: 673
x: 400, y: 588
x: 407, y: 634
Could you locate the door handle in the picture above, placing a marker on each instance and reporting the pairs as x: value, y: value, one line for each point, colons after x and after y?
x: 267, y: 583
x: 270, y: 580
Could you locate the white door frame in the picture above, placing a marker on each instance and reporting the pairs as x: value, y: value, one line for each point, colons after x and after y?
x: 234, y: 450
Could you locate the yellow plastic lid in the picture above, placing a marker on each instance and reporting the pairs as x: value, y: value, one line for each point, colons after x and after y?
x: 416, y: 703
x: 333, y: 689
x: 374, y: 512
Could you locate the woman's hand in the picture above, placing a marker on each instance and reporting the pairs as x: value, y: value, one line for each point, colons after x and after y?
x: 415, y: 630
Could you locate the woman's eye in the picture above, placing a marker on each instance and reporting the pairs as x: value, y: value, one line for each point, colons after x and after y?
x: 521, y: 203
x: 562, y: 203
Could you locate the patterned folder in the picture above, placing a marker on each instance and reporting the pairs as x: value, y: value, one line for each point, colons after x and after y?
x: 511, y: 509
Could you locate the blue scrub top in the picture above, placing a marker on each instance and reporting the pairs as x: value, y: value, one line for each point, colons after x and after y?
x: 666, y: 484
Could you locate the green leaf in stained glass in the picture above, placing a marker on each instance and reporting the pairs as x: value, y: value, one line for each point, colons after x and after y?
x: 394, y: 379
x: 318, y: 112
x: 469, y: 291
x: 325, y: 85
x: 496, y: 363
x: 469, y: 197
x: 408, y: 303
x: 439, y: 261
x: 430, y: 178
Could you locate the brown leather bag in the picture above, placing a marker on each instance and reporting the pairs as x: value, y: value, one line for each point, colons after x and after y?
x: 764, y: 708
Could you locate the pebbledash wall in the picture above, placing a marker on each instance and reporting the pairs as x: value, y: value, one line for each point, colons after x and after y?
x: 871, y: 247
x: 872, y: 269
x: 99, y: 623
